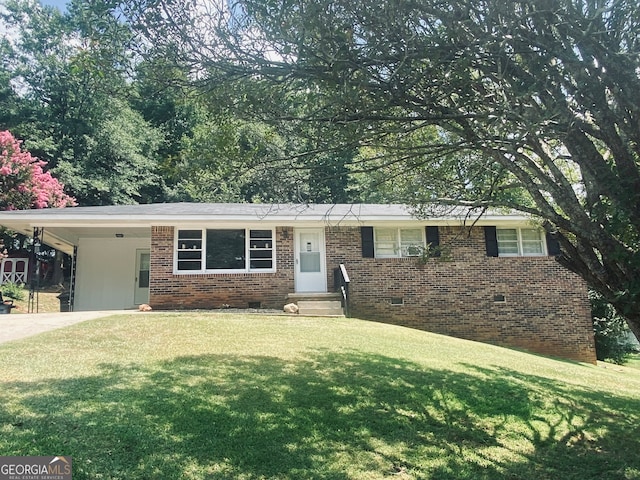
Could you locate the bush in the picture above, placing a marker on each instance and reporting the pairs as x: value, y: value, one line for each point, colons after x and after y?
x: 611, y: 332
x: 12, y: 290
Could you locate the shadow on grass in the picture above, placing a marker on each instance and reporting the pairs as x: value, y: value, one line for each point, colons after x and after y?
x: 332, y: 416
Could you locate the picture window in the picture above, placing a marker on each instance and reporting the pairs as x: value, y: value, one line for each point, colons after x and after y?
x: 224, y: 250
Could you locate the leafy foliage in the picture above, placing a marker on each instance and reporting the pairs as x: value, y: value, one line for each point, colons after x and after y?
x: 225, y: 161
x: 118, y: 165
x: 611, y: 332
x: 13, y: 290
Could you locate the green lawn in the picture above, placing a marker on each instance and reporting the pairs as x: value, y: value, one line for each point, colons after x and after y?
x: 219, y: 396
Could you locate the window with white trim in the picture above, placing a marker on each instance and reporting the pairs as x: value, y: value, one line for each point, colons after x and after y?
x: 398, y: 242
x: 189, y: 250
x: 520, y: 242
x: 224, y: 250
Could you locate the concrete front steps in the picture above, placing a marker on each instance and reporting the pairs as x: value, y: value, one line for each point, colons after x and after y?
x: 317, y: 304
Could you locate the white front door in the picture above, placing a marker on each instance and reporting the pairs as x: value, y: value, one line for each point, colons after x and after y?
x: 143, y: 263
x: 311, y: 274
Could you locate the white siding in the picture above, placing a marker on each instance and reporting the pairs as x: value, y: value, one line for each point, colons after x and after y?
x: 106, y: 273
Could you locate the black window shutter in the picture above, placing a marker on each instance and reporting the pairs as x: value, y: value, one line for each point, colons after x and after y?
x: 553, y: 246
x: 366, y: 234
x: 491, y: 241
x: 433, y: 241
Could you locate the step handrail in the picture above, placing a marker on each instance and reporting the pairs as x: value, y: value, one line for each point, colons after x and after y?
x: 341, y: 283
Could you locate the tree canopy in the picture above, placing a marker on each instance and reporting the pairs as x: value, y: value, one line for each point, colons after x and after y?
x: 537, y: 99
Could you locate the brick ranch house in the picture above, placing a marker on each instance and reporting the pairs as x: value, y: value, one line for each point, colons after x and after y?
x: 495, y: 281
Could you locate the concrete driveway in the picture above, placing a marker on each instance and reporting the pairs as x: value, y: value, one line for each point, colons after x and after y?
x: 16, y: 326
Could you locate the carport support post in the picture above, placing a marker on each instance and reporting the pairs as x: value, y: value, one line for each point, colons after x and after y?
x: 34, y: 270
x: 72, y: 280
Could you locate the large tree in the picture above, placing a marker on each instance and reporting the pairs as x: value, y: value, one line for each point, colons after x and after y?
x: 70, y: 78
x: 539, y: 98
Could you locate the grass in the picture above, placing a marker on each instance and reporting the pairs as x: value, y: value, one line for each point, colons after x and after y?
x: 633, y: 361
x: 219, y: 396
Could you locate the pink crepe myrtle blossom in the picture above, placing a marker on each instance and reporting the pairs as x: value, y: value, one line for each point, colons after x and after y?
x: 24, y: 183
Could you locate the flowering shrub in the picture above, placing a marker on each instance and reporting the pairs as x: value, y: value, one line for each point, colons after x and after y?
x: 23, y: 182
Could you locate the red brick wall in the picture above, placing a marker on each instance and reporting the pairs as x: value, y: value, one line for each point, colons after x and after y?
x: 546, y: 309
x: 207, y: 291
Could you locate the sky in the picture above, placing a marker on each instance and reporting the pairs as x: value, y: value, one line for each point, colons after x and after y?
x: 61, y: 4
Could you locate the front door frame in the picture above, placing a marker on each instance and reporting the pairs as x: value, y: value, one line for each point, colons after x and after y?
x: 141, y: 293
x: 316, y: 281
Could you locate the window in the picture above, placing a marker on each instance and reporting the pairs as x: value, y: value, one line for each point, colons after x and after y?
x: 260, y: 249
x: 189, y: 249
x: 386, y: 242
x: 224, y: 250
x: 398, y: 242
x: 411, y: 242
x: 515, y: 242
